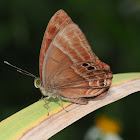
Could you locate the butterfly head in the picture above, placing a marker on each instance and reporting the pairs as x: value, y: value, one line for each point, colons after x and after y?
x: 37, y: 82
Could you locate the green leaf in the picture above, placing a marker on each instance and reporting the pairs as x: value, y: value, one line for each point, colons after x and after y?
x: 18, y: 124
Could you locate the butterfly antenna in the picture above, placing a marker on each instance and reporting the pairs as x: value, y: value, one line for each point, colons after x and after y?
x: 20, y: 70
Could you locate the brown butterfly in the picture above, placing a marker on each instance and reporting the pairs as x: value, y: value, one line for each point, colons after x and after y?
x: 69, y: 69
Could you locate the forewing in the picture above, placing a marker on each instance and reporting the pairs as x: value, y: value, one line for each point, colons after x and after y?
x: 59, y: 21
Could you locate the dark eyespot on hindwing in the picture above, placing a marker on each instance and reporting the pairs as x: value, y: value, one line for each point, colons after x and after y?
x: 91, y: 68
x: 85, y: 64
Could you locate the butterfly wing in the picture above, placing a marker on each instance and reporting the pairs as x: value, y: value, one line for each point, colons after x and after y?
x: 57, y: 23
x: 64, y: 70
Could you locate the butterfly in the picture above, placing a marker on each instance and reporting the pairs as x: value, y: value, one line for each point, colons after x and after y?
x: 69, y: 69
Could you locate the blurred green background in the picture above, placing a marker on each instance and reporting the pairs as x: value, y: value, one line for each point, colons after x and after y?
x: 112, y: 29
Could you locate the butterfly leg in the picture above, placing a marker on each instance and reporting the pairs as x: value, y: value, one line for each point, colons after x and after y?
x: 62, y: 104
x: 41, y: 97
x: 46, y: 98
x: 82, y: 101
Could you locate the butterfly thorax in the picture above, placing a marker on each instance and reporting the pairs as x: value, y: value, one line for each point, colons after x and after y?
x: 47, y: 92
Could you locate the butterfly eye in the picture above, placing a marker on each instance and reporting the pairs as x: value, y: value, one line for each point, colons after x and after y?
x: 85, y: 64
x: 37, y: 82
x: 91, y: 68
